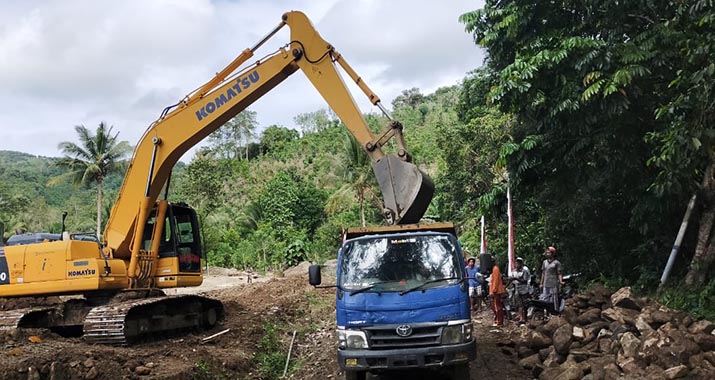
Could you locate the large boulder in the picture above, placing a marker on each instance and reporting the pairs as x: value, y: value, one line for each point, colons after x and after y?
x: 630, y: 345
x: 536, y: 340
x: 621, y: 315
x: 705, y: 341
x: 530, y: 362
x: 629, y: 364
x: 659, y: 317
x: 562, y: 338
x: 589, y: 316
x: 523, y: 351
x: 676, y: 372
x: 704, y: 326
x: 605, y: 345
x: 625, y: 298
x: 643, y: 326
x: 549, y: 327
x: 580, y: 334
x: 653, y: 372
x: 599, y: 296
x: 569, y: 370
x: 554, y: 359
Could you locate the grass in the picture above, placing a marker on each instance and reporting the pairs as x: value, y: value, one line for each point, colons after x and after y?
x: 698, y: 302
x: 271, y: 354
x: 205, y: 370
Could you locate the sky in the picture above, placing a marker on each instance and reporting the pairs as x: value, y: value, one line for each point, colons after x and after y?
x: 81, y: 62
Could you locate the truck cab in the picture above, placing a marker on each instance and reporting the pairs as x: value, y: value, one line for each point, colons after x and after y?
x: 402, y: 301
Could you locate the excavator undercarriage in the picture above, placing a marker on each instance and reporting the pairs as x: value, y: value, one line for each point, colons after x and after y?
x: 119, y: 319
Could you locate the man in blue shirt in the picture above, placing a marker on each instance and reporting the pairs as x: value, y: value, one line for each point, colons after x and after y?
x: 475, y: 289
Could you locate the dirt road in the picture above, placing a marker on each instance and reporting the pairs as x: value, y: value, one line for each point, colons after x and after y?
x: 260, y: 318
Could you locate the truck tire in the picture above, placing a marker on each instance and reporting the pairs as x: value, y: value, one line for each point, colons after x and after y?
x: 460, y: 372
x: 355, y: 375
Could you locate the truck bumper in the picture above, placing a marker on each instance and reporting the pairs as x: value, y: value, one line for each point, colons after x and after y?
x: 438, y: 356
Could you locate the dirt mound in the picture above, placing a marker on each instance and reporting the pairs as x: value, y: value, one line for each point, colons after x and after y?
x: 219, y: 271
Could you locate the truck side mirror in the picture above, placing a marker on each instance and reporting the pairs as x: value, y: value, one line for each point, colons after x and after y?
x: 314, y: 277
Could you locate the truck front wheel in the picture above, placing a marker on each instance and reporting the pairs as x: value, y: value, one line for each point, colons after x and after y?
x: 460, y: 372
x: 355, y: 375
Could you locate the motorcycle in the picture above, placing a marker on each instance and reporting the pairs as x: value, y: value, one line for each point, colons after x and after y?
x: 538, y: 307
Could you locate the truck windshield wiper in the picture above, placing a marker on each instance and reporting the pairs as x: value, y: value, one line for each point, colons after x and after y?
x: 356, y: 291
x: 418, y: 287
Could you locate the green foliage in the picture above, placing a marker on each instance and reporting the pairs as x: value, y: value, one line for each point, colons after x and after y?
x: 27, y: 204
x: 207, y: 369
x: 270, y: 354
x: 607, y: 174
x: 699, y: 302
x: 275, y: 139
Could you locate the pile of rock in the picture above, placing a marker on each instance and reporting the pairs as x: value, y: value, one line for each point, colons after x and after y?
x: 610, y: 336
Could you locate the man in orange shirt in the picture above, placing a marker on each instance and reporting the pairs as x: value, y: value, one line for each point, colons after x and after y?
x: 496, y: 291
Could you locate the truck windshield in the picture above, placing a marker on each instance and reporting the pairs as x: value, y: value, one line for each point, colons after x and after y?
x: 396, y: 264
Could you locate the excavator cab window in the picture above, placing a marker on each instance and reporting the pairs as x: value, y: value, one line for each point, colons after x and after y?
x: 180, y: 237
x: 186, y: 238
x: 166, y: 248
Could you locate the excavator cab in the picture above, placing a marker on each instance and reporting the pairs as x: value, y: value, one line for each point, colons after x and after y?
x: 179, y: 251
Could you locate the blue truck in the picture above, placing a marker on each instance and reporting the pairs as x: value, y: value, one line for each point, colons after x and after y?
x: 402, y: 301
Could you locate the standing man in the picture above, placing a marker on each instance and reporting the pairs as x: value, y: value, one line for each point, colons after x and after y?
x: 496, y: 292
x: 551, y: 278
x: 474, y: 286
x: 520, y: 278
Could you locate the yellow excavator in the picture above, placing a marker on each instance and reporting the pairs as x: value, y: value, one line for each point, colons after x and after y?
x: 150, y: 244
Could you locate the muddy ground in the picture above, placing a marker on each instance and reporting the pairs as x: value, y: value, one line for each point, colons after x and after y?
x: 272, y: 306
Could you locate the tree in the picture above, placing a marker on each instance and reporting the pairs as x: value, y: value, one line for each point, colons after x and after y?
x: 275, y: 138
x: 233, y: 138
x: 409, y: 98
x: 357, y: 171
x: 316, y: 121
x: 687, y: 143
x: 91, y: 161
x: 583, y: 80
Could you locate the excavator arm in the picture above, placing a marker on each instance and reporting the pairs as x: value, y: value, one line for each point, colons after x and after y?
x: 406, y: 190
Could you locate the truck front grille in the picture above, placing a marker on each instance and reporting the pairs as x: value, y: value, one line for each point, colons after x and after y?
x: 423, y: 334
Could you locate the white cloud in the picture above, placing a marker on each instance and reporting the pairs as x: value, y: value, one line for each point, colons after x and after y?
x: 82, y: 62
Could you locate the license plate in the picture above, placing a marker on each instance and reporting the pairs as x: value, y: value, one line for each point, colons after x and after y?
x: 351, y: 362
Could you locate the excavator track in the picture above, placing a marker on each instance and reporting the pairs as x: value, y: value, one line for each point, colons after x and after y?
x: 19, y: 318
x: 120, y: 324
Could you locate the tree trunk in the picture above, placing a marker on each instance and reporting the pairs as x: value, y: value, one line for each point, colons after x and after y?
x: 361, y: 198
x: 705, y: 249
x: 99, y: 210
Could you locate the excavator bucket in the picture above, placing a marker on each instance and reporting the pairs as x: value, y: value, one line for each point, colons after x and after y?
x: 406, y: 190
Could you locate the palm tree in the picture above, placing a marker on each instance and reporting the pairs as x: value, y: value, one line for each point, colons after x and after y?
x: 358, y: 173
x: 97, y: 156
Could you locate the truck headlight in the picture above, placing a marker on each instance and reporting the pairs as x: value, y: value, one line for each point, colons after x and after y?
x: 352, y: 339
x: 457, y: 333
